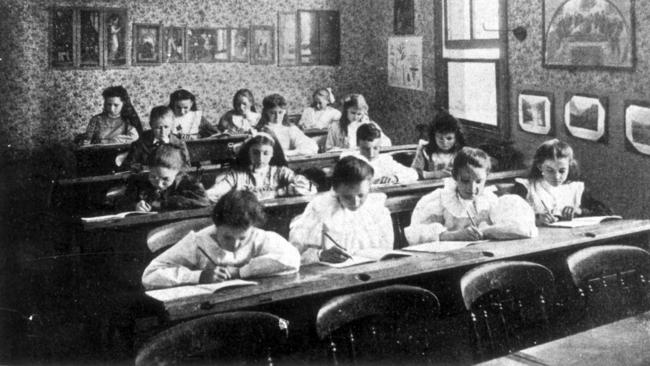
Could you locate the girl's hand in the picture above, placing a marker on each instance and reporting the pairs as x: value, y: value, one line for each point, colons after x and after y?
x: 569, y: 212
x: 545, y: 218
x: 333, y: 255
x: 142, y: 206
x: 219, y: 274
x: 469, y: 233
x: 387, y: 180
x: 233, y: 272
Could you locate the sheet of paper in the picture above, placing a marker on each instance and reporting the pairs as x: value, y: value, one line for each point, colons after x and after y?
x: 173, y: 293
x: 355, y: 260
x: 584, y: 221
x: 116, y: 216
x: 441, y: 246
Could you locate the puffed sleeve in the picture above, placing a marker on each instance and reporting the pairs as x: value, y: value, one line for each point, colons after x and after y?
x: 382, y: 220
x: 427, y: 220
x: 512, y: 218
x: 307, y: 118
x: 403, y: 173
x: 178, y: 265
x: 306, y: 232
x: 273, y: 255
x: 333, y: 140
x: 301, y: 143
x: 222, y: 184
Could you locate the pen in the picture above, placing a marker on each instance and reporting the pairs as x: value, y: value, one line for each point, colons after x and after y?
x: 545, y: 207
x: 336, y: 244
x: 471, y: 218
x: 209, y: 258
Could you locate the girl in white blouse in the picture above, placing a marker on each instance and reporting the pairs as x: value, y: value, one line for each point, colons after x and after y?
x: 274, y: 118
x: 464, y: 210
x: 343, y: 135
x: 320, y: 114
x: 353, y: 217
x: 188, y: 119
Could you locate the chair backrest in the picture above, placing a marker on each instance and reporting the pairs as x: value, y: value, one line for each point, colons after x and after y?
x: 248, y: 336
x: 612, y: 281
x: 380, y: 324
x: 403, y: 157
x: 507, y: 304
x: 167, y: 235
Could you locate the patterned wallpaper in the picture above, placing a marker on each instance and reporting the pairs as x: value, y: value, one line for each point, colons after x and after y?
x: 615, y: 174
x: 43, y: 105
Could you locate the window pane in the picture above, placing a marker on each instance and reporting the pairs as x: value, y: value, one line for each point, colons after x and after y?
x: 473, y: 91
x: 458, y: 19
x: 485, y: 19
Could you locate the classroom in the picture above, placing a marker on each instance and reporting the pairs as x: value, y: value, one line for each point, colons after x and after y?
x: 444, y: 182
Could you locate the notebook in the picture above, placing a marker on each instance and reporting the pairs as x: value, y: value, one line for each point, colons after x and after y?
x: 180, y: 292
x: 584, y: 221
x: 117, y: 216
x: 441, y: 246
x: 368, y: 255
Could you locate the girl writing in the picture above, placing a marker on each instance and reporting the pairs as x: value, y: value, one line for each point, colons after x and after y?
x: 552, y: 189
x: 262, y: 169
x: 342, y: 135
x: 349, y: 214
x: 464, y: 210
x: 242, y: 117
x: 292, y: 139
x: 188, y: 119
x: 118, y: 122
x: 434, y: 159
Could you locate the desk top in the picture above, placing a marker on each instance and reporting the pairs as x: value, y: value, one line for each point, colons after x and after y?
x: 625, y: 342
x: 318, y: 280
x: 401, y: 197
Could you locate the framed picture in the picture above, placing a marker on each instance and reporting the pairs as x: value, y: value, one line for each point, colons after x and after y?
x: 405, y: 62
x: 62, y: 37
x: 146, y: 44
x: 585, y: 116
x: 239, y: 44
x: 535, y: 112
x: 287, y: 39
x: 220, y: 50
x: 637, y: 126
x: 90, y: 52
x: 262, y: 45
x: 202, y: 45
x: 173, y: 44
x: 403, y: 17
x: 115, y: 37
x: 595, y: 34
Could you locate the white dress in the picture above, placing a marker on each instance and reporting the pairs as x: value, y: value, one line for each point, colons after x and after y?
x: 542, y: 195
x: 321, y: 119
x: 385, y: 166
x: 187, y: 126
x: 293, y: 141
x: 370, y: 226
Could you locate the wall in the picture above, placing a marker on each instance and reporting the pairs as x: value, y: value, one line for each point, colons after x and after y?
x: 42, y: 106
x: 617, y: 175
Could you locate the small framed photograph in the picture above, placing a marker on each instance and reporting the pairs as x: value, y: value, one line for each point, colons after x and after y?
x: 202, y: 45
x: 403, y: 17
x: 90, y: 51
x: 585, y: 116
x: 62, y: 37
x: 220, y: 51
x: 535, y: 112
x: 115, y: 37
x: 146, y: 44
x: 287, y: 39
x: 173, y: 44
x: 262, y: 45
x: 239, y: 42
x: 637, y: 126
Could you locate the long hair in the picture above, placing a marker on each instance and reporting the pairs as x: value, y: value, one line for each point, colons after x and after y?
x: 181, y: 94
x: 244, y: 93
x: 270, y: 102
x: 444, y: 123
x: 351, y: 101
x: 552, y: 150
x: 265, y: 137
x: 322, y: 92
x: 128, y: 112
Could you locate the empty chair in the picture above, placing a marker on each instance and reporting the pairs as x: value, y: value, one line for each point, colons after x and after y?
x: 507, y: 304
x: 389, y: 323
x: 167, y: 235
x: 246, y: 336
x: 612, y: 281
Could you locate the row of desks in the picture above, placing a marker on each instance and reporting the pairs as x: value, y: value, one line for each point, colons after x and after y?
x: 316, y: 280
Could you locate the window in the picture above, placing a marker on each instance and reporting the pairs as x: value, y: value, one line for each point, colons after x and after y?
x: 319, y: 35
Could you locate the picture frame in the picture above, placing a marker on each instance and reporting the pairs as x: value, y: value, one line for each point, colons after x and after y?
x: 585, y: 116
x: 207, y: 45
x: 62, y: 45
x: 403, y: 17
x: 239, y: 44
x: 405, y: 62
x: 598, y: 36
x: 309, y: 47
x: 90, y: 52
x: 174, y: 44
x: 637, y: 126
x: 262, y: 45
x: 535, y: 112
x: 221, y: 51
x: 287, y: 39
x: 114, y: 35
x: 146, y: 44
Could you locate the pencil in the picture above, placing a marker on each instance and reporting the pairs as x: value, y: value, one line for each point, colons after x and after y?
x: 209, y: 258
x: 336, y: 244
x: 545, y: 207
x: 471, y: 218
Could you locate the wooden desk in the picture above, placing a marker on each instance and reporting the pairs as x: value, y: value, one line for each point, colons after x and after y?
x: 316, y: 280
x: 625, y: 342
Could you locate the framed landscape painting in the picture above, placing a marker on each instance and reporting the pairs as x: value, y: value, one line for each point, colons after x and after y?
x: 585, y: 117
x: 535, y: 112
x: 637, y: 126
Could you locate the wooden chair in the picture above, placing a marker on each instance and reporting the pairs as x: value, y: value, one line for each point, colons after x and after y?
x: 389, y: 323
x: 507, y: 305
x: 612, y: 281
x: 246, y: 337
x: 167, y: 235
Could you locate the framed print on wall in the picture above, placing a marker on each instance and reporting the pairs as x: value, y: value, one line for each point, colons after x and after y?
x: 90, y: 51
x: 262, y: 45
x: 535, y: 112
x: 115, y: 38
x: 62, y: 38
x: 174, y: 44
x: 202, y: 45
x: 239, y: 50
x: 585, y: 116
x: 287, y: 39
x: 637, y: 126
x: 405, y: 62
x: 146, y: 44
x: 597, y: 34
x: 403, y: 17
